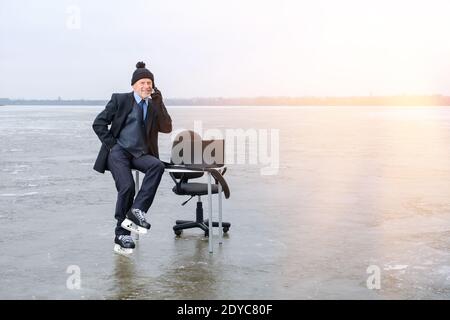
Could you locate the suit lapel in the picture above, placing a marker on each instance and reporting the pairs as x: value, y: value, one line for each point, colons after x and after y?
x: 124, y: 109
x: 129, y: 104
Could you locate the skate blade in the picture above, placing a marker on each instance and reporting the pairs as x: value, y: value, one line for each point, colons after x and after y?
x: 131, y: 226
x: 123, y: 251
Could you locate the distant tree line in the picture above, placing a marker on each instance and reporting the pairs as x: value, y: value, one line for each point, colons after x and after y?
x: 403, y: 100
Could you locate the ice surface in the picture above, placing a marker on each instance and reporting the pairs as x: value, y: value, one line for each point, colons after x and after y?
x: 357, y: 187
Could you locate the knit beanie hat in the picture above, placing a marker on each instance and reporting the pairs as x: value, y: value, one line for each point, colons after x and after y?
x: 141, y: 72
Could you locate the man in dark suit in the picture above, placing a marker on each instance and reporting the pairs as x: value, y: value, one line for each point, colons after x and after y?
x: 132, y: 143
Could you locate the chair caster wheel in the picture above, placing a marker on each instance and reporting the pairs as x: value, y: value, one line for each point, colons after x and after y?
x: 178, y: 232
x: 225, y: 229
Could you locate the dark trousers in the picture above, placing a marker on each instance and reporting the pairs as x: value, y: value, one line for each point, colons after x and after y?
x: 120, y: 163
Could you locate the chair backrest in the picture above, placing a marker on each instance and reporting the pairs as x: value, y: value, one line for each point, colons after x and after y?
x: 185, y: 153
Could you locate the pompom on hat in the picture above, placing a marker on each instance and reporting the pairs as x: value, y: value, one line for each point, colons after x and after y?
x: 141, y: 72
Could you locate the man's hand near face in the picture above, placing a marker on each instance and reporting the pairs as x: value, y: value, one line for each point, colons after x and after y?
x: 156, y: 97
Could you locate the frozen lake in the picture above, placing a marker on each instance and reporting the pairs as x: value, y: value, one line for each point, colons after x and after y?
x: 357, y: 187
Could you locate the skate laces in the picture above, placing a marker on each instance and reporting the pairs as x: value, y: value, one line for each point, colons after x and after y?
x: 139, y: 214
x: 126, y: 238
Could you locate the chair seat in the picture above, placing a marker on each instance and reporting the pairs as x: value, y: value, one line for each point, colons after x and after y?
x: 195, y: 189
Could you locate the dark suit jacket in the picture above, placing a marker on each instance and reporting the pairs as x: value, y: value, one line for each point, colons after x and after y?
x: 115, y: 114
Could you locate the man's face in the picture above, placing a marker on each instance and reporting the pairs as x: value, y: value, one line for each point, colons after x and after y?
x: 143, y: 88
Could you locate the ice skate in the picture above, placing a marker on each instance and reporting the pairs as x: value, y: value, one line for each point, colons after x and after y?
x: 135, y: 222
x: 124, y: 245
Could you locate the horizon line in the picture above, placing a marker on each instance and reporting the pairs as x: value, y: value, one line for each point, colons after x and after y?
x: 436, y: 95
x: 395, y: 100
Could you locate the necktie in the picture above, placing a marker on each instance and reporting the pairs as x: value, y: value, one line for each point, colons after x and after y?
x: 144, y: 109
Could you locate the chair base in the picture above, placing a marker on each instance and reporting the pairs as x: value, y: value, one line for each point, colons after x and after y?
x: 198, y: 223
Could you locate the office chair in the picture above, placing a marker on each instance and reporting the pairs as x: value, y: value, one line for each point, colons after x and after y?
x: 183, y: 186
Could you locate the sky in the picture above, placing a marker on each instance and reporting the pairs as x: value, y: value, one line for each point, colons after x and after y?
x: 211, y: 48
